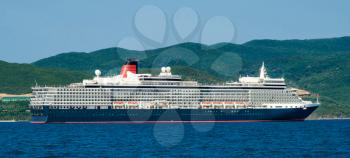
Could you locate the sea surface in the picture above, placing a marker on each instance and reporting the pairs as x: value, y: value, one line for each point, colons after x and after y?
x: 326, y: 138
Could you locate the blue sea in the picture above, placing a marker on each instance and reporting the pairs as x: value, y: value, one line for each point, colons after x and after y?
x: 326, y: 138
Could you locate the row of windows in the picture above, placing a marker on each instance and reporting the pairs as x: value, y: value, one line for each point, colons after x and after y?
x: 255, y: 96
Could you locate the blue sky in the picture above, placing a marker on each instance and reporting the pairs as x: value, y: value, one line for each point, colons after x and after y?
x: 35, y: 29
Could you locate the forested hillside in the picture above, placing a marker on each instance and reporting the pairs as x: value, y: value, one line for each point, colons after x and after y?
x: 320, y: 66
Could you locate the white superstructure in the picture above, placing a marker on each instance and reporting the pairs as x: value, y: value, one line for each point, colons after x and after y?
x: 168, y: 91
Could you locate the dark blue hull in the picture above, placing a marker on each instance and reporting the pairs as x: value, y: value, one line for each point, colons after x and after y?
x: 47, y: 115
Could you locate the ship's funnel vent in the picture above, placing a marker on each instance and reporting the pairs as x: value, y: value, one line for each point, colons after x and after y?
x: 131, y: 65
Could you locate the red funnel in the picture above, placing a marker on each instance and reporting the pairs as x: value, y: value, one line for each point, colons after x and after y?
x: 130, y: 66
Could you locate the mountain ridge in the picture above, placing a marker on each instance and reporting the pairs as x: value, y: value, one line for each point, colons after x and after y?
x: 19, y: 78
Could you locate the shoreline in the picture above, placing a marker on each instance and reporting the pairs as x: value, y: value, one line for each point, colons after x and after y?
x: 340, y: 118
x: 312, y: 119
x: 4, y: 121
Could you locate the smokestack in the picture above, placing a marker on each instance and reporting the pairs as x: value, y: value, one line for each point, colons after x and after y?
x: 131, y: 65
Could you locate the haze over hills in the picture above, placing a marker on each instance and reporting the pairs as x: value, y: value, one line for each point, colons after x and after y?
x: 319, y: 65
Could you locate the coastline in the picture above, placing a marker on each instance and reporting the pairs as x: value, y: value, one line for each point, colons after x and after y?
x: 7, y: 121
x: 340, y: 118
x: 310, y: 119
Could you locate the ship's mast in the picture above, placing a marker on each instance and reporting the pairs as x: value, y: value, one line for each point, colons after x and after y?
x: 263, y: 72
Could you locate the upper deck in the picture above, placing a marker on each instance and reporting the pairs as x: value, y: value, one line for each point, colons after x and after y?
x: 130, y: 78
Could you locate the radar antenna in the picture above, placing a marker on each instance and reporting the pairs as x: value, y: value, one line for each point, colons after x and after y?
x: 36, y: 83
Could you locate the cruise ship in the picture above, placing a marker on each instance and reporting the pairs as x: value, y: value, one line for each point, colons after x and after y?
x: 131, y: 97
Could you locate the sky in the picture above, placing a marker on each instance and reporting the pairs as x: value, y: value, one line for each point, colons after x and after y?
x: 35, y: 29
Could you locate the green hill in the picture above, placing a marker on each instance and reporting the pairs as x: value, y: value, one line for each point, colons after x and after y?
x: 19, y: 78
x: 319, y: 65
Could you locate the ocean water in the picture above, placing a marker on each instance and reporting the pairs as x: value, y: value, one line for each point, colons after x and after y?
x: 266, y: 139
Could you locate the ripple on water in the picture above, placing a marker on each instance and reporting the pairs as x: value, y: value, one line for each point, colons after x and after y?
x: 275, y: 139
